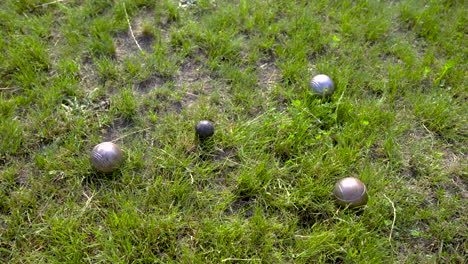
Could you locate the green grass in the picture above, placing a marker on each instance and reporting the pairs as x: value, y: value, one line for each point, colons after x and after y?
x: 72, y: 76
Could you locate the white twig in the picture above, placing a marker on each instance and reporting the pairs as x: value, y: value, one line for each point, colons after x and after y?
x: 130, y: 27
x: 5, y: 88
x: 129, y: 134
x: 232, y: 259
x: 441, y: 247
x: 89, y: 198
x: 50, y: 3
x: 191, y: 177
x: 394, y: 218
x: 299, y: 236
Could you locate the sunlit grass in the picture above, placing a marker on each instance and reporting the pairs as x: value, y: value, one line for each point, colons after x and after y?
x: 259, y: 191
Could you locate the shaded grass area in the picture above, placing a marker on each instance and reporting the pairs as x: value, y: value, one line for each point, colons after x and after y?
x: 72, y: 76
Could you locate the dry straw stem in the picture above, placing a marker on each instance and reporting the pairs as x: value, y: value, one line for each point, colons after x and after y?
x: 239, y: 259
x: 394, y: 218
x: 299, y: 236
x: 129, y: 134
x: 88, y: 200
x: 130, y: 27
x: 50, y: 3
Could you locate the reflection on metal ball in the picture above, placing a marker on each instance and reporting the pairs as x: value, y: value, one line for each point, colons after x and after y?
x: 322, y: 85
x: 204, y: 129
x: 351, y: 192
x: 107, y: 157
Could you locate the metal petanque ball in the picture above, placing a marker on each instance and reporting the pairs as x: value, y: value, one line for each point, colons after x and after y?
x: 322, y: 85
x: 107, y: 157
x: 204, y: 129
x: 351, y: 192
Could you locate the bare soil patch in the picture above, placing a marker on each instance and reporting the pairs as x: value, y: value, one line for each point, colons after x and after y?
x: 268, y: 75
x: 193, y: 79
x: 152, y: 83
x: 125, y: 43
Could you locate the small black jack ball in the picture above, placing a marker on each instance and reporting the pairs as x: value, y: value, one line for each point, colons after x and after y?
x: 204, y: 129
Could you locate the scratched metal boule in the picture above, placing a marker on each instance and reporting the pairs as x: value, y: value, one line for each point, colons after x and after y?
x: 351, y: 192
x: 322, y: 85
x: 106, y: 157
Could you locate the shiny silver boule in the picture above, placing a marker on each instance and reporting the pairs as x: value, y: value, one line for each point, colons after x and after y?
x: 351, y: 192
x: 204, y: 129
x: 322, y: 85
x: 106, y: 157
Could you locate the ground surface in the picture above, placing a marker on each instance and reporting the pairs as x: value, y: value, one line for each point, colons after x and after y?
x: 74, y: 74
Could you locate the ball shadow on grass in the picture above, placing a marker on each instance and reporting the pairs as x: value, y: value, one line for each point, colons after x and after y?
x: 205, y: 147
x: 98, y: 180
